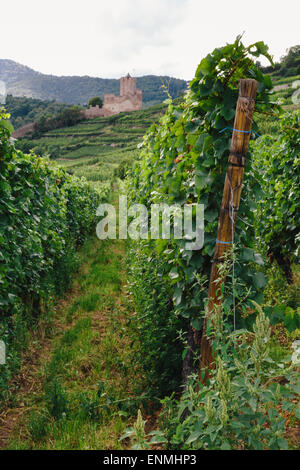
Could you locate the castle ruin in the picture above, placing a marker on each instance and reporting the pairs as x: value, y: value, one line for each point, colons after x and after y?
x: 130, y: 99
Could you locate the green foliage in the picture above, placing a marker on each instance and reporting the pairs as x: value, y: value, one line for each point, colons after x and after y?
x: 48, y: 150
x: 25, y: 110
x: 137, y: 434
x: 67, y: 117
x: 121, y: 170
x: 267, y: 124
x: 276, y: 164
x: 184, y: 160
x: 154, y: 87
x: 95, y: 148
x: 156, y: 325
x: 289, y: 64
x: 91, y: 379
x: 45, y: 215
x: 239, y: 407
x: 38, y: 425
x: 95, y: 101
x: 57, y: 400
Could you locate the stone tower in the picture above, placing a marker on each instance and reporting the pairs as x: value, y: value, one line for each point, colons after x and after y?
x: 130, y: 99
x: 128, y: 86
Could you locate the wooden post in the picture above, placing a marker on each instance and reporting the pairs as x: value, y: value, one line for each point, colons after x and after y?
x: 230, y: 204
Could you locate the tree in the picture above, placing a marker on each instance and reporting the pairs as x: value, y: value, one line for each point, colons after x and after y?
x: 288, y: 66
x: 67, y: 117
x: 290, y: 63
x: 96, y: 101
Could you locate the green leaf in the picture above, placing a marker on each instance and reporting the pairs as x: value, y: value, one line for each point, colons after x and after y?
x: 259, y: 280
x: 196, y: 323
x: 253, y: 404
x: 202, y: 179
x: 258, y: 259
x: 194, y: 436
x: 177, y: 296
x: 210, y: 216
x: 282, y: 444
x: 205, y: 66
x: 158, y: 437
x: 128, y: 433
x: 297, y: 411
x: 260, y: 48
x: 6, y: 125
x: 173, y: 274
x: 247, y: 254
x: 225, y: 446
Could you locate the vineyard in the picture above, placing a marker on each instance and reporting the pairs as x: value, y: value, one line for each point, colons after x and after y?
x: 106, y: 339
x: 97, y: 148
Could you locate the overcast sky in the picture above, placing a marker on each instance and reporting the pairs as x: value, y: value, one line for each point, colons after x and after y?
x: 162, y: 37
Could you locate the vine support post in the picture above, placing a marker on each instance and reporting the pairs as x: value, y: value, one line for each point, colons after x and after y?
x: 229, y: 208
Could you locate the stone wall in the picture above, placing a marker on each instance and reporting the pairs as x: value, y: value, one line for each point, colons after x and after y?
x: 95, y: 111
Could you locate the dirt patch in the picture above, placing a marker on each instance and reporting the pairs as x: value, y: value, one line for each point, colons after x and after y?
x: 293, y: 436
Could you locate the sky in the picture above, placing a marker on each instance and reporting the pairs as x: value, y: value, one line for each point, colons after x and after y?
x: 109, y: 38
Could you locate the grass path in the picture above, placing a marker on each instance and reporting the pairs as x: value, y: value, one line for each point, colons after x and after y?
x: 80, y: 387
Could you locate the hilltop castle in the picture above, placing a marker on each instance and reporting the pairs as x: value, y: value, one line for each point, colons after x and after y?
x: 130, y: 99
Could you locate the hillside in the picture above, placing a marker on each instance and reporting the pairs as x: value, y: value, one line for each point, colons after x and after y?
x: 26, y: 110
x: 285, y: 76
x: 97, y: 147
x: 289, y: 64
x: 23, y: 81
x: 286, y: 91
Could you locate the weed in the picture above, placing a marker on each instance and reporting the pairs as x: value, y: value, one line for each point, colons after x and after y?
x: 57, y: 399
x: 38, y: 425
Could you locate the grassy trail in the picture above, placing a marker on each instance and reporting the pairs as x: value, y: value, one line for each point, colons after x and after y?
x: 80, y: 387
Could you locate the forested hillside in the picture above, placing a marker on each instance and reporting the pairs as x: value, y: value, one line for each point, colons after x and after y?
x: 24, y: 110
x: 23, y: 81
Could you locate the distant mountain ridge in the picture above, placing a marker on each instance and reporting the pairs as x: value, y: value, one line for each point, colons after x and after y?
x: 23, y: 81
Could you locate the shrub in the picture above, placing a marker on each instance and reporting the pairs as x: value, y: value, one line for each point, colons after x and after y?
x: 243, y: 404
x: 45, y: 215
x: 155, y: 323
x: 276, y: 161
x: 95, y: 101
x: 67, y: 117
x: 184, y: 161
